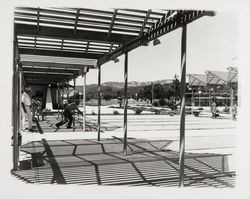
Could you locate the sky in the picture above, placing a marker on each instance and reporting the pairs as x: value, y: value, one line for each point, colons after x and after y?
x: 212, y: 44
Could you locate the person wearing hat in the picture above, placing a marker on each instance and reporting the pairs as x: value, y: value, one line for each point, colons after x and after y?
x: 26, y: 105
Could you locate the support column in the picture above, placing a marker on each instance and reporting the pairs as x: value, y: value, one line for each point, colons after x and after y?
x: 182, y: 119
x: 125, y: 103
x: 231, y: 98
x: 74, y: 118
x: 84, y: 104
x: 99, y: 102
x: 62, y: 100
x: 58, y: 94
x: 152, y: 100
x: 15, y: 107
x: 68, y: 92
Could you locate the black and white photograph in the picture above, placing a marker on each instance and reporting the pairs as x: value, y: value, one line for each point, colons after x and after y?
x: 124, y: 97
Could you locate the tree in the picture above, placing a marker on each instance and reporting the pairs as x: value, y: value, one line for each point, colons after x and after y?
x: 176, y: 86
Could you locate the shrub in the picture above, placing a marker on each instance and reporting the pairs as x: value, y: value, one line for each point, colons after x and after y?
x: 107, y: 97
x: 226, y: 109
x: 115, y: 112
x: 162, y: 102
x: 138, y: 111
x: 93, y: 112
x: 155, y: 103
x: 157, y: 112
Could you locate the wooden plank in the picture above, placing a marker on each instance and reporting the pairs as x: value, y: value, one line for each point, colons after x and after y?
x: 55, y: 65
x: 163, y: 28
x: 25, y: 29
x: 59, y: 54
x: 76, y: 20
x: 112, y: 23
x: 144, y: 22
x: 48, y: 70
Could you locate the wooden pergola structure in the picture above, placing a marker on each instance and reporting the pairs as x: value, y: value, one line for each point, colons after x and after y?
x: 56, y: 45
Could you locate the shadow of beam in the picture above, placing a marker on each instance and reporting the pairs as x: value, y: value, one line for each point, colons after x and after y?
x: 57, y: 174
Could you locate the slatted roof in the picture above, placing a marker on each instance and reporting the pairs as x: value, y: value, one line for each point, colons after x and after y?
x: 197, y: 79
x: 64, y: 41
x: 233, y: 74
x: 221, y: 77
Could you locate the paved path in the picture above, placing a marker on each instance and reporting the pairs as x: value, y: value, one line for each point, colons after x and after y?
x: 76, y: 157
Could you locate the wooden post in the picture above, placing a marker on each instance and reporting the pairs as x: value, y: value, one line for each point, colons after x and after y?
x: 182, y: 119
x: 84, y: 104
x: 125, y: 103
x: 99, y: 102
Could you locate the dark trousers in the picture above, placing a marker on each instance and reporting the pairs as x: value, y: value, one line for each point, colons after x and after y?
x: 67, y: 118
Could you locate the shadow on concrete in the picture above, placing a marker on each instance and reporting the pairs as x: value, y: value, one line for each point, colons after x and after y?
x: 148, y: 163
x: 48, y: 125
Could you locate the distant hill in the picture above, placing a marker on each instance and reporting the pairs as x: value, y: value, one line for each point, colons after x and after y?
x: 115, y: 89
x: 136, y: 84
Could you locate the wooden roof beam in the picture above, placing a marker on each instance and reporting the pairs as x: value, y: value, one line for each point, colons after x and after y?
x: 56, y: 65
x: 59, y: 54
x: 25, y: 29
x: 38, y: 19
x: 165, y: 27
x: 48, y: 70
x: 76, y: 20
x: 145, y: 22
x: 112, y: 22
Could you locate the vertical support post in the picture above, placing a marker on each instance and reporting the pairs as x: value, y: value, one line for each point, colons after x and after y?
x: 58, y: 94
x: 192, y: 109
x: 125, y: 103
x: 74, y: 119
x: 67, y: 91
x: 182, y: 121
x: 99, y: 102
x: 84, y: 103
x: 15, y: 107
x: 152, y: 92
x: 62, y: 99
x: 231, y: 98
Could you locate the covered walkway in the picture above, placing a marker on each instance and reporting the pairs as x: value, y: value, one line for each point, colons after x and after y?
x: 53, y: 46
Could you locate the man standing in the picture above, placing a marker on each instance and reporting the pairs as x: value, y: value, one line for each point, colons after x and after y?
x: 26, y: 105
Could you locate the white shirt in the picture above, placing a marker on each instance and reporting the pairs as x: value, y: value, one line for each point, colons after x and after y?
x: 26, y: 99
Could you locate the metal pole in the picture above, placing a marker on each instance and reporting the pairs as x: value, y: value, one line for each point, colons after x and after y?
x: 84, y: 104
x: 152, y: 92
x: 62, y: 100
x: 199, y: 98
x: 231, y: 98
x: 192, y: 101
x: 15, y: 101
x: 182, y: 121
x: 99, y: 102
x: 68, y: 91
x: 74, y: 119
x: 125, y: 103
x: 58, y: 100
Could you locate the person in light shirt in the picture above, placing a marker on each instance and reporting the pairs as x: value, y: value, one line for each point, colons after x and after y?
x: 26, y: 107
